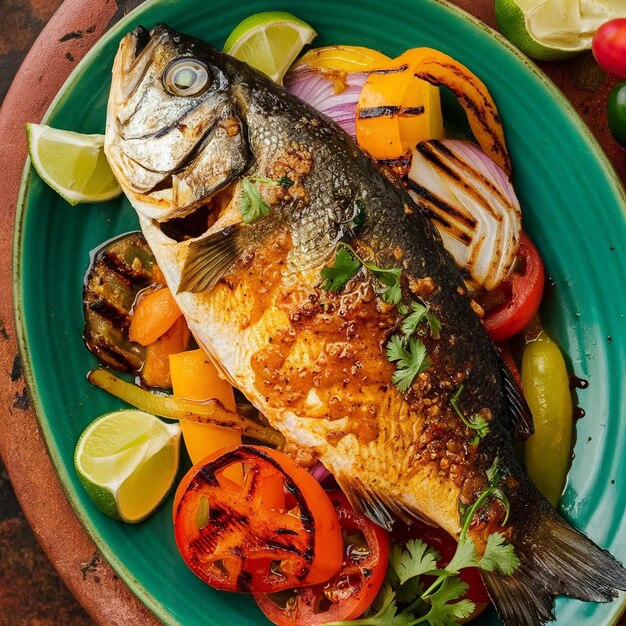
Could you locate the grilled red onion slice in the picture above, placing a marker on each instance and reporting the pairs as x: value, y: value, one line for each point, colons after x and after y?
x: 333, y: 93
x: 473, y: 205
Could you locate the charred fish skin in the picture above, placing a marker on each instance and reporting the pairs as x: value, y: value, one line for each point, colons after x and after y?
x: 314, y: 361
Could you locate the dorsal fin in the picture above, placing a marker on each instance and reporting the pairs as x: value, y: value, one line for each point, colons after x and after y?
x: 519, y: 411
x: 210, y: 258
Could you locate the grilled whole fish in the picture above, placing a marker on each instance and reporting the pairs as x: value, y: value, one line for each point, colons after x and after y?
x: 191, y: 134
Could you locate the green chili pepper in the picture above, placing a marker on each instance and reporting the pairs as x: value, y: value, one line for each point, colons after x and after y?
x: 546, y: 388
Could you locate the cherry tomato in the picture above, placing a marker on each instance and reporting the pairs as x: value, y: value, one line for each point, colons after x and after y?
x: 609, y: 47
x: 277, y: 531
x: 616, y: 113
x: 351, y: 591
x: 520, y: 294
x: 446, y: 546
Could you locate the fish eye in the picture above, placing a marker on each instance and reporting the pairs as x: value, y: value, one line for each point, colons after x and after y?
x: 186, y: 77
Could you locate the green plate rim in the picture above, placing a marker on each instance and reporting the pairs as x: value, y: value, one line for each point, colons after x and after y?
x: 136, y: 587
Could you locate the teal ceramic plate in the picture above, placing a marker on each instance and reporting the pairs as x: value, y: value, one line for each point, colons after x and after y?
x: 573, y: 208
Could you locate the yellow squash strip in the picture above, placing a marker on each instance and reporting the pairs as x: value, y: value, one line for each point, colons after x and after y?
x: 170, y: 407
x: 194, y: 377
x: 388, y: 93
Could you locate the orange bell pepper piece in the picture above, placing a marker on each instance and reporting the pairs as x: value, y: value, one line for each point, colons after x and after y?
x: 156, y: 369
x: 153, y: 316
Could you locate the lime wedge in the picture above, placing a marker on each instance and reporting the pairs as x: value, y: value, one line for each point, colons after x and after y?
x: 269, y: 42
x: 74, y: 165
x: 553, y: 29
x: 127, y: 461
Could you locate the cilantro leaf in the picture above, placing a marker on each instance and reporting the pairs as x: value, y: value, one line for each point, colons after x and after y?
x: 409, y: 363
x: 434, y: 324
x: 414, y: 319
x: 251, y: 205
x: 499, y: 555
x: 466, y: 555
x: 285, y: 181
x: 386, y: 615
x: 390, y: 278
x: 343, y: 269
x: 445, y: 612
x: 420, y: 313
x: 413, y: 559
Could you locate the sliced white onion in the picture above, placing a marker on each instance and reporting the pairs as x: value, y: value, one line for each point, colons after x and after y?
x: 335, y: 94
x: 473, y: 205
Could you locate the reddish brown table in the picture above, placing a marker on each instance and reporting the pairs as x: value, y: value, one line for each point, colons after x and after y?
x: 70, y: 33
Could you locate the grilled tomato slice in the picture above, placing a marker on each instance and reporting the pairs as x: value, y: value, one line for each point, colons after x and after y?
x: 351, y: 591
x: 277, y: 531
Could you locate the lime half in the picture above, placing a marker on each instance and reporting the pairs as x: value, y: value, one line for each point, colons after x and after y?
x: 127, y: 461
x: 74, y: 165
x: 269, y: 42
x: 553, y: 29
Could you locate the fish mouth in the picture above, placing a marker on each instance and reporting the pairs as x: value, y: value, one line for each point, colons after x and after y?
x: 141, y: 38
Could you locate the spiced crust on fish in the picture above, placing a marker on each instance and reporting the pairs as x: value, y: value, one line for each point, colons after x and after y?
x: 251, y: 202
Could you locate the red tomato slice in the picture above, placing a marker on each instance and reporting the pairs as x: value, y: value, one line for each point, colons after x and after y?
x: 277, y: 531
x: 521, y: 293
x: 446, y: 546
x: 351, y: 591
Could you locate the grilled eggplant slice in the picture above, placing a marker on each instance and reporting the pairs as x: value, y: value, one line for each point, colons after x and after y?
x: 120, y: 269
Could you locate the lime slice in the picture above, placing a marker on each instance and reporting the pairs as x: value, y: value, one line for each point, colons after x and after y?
x: 74, y: 165
x: 127, y: 461
x: 553, y: 29
x: 269, y: 42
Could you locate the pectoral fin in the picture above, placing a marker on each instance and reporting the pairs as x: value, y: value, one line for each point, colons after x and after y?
x: 379, y: 508
x: 210, y: 258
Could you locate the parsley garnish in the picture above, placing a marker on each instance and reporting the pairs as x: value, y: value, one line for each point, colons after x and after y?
x: 410, y: 358
x: 337, y: 275
x: 476, y: 422
x: 390, y: 278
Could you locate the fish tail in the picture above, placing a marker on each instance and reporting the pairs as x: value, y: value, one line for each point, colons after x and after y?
x: 555, y: 559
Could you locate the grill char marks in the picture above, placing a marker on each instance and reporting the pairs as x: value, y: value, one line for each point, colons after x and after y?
x: 119, y: 271
x: 256, y: 534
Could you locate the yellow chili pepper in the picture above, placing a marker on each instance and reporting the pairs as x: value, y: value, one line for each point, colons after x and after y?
x: 546, y: 388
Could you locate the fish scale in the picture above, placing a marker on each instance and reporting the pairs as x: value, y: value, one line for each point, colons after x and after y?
x: 312, y: 360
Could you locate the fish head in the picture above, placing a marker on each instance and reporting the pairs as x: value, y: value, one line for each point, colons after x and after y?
x: 174, y: 132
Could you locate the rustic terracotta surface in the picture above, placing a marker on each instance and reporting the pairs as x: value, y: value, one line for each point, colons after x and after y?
x: 70, y: 33
x: 68, y: 36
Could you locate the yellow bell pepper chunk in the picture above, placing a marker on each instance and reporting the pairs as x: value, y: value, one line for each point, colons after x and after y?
x: 194, y: 377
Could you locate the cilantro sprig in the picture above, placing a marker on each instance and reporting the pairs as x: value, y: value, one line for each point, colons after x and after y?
x: 441, y: 603
x: 342, y: 270
x: 476, y: 422
x: 251, y: 204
